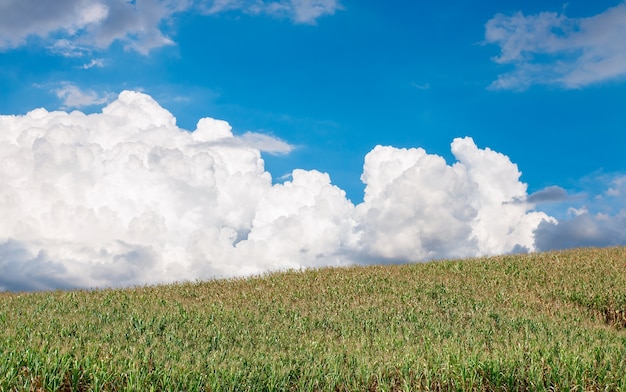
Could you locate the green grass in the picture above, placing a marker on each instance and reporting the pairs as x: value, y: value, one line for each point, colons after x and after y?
x: 524, y: 322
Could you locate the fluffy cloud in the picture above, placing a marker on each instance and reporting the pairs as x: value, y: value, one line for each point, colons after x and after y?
x: 126, y: 197
x: 551, y: 48
x: 74, y: 28
x: 417, y: 207
x: 20, y: 19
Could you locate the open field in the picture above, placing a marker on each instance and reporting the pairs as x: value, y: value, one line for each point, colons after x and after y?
x: 518, y: 322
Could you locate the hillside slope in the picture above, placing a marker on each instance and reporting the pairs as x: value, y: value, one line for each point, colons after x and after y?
x: 512, y: 322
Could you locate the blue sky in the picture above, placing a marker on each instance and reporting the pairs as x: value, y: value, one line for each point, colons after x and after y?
x: 335, y: 85
x: 541, y: 82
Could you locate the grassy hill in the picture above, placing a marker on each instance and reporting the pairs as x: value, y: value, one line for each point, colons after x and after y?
x: 518, y: 322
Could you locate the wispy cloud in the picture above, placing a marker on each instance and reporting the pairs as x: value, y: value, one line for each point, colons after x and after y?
x: 73, y: 97
x: 299, y: 11
x: 596, y: 215
x: 551, y: 48
x: 67, y: 48
x: 549, y: 194
x: 97, y: 63
x: 617, y: 187
x: 307, y: 11
x: 584, y: 229
x: 266, y: 143
x: 423, y: 86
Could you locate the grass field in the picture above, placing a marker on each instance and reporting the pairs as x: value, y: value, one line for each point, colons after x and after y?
x: 518, y: 322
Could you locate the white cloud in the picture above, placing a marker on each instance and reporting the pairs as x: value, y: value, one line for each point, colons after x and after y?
x: 72, y: 96
x: 307, y: 11
x: 98, y: 63
x: 551, y: 48
x: 617, y: 187
x: 67, y: 48
x: 20, y: 19
x: 126, y: 197
x: 76, y: 26
x: 299, y: 11
x: 136, y: 24
x: 418, y: 207
x: 266, y: 143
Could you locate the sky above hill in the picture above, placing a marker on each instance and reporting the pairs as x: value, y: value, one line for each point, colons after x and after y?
x: 154, y: 140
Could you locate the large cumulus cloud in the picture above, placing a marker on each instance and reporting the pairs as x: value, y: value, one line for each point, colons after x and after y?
x: 126, y: 197
x: 418, y: 207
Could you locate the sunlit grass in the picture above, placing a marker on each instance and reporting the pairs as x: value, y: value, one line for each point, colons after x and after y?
x: 523, y: 322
